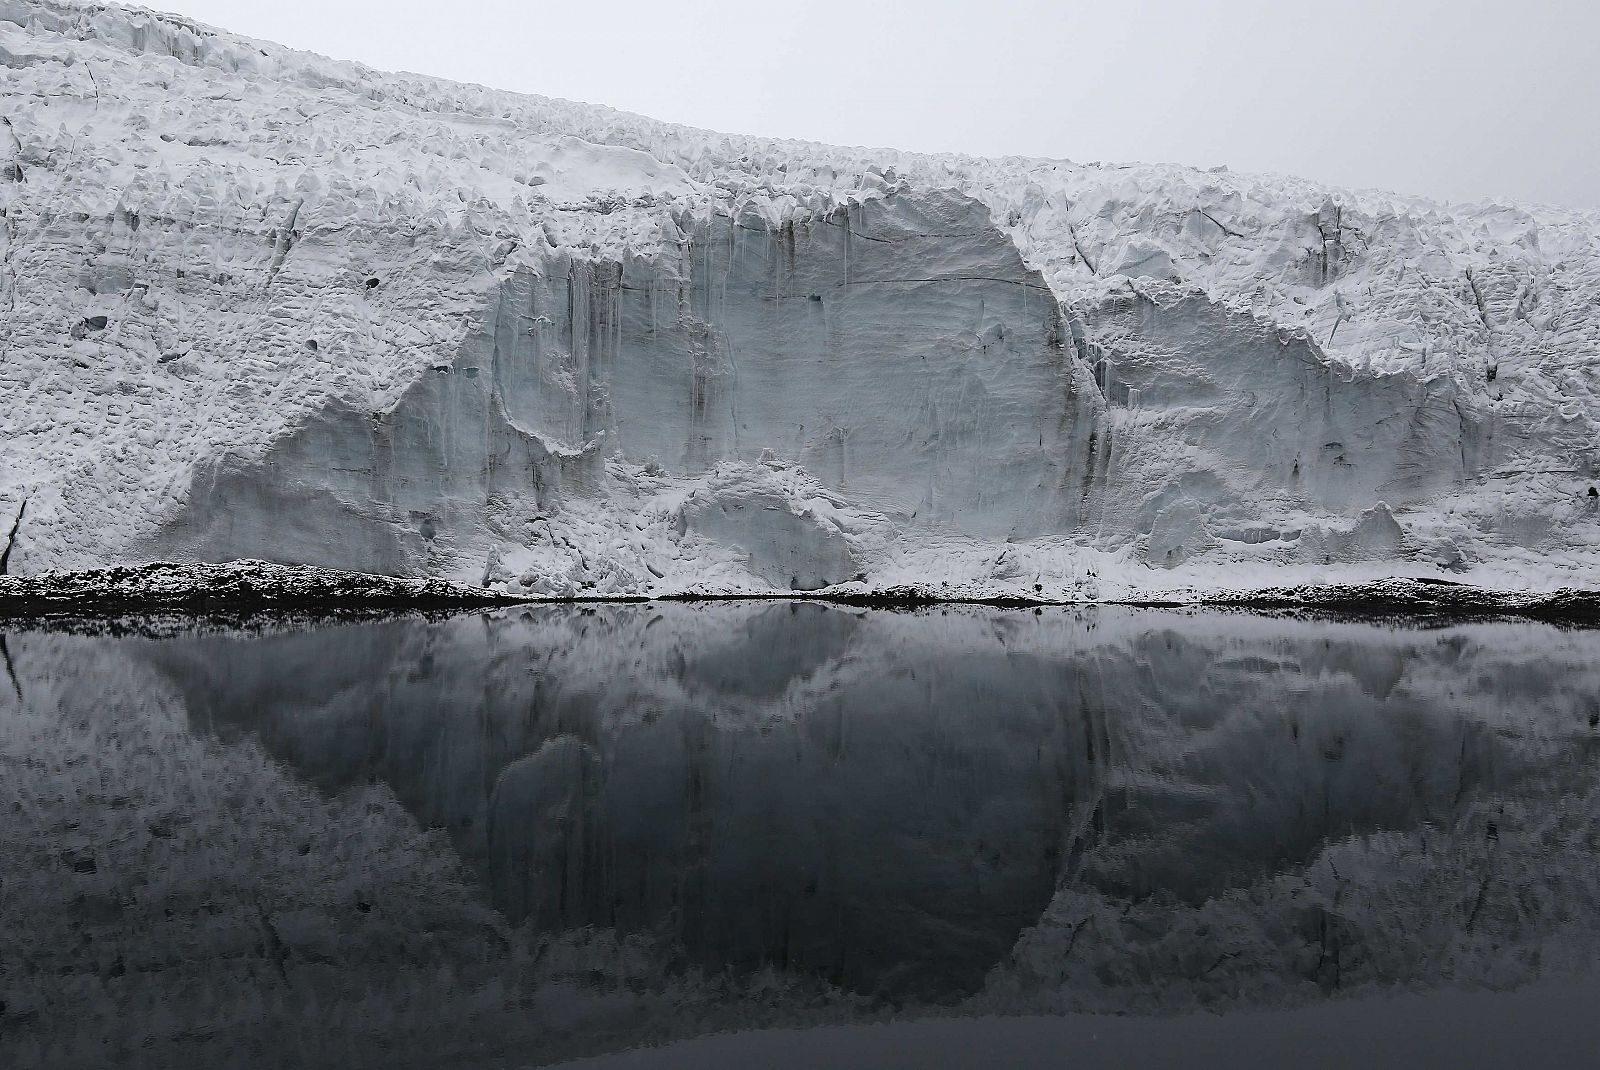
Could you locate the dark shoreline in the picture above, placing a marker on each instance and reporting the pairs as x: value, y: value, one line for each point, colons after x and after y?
x: 232, y: 586
x: 1423, y: 599
x: 257, y: 585
x: 232, y: 594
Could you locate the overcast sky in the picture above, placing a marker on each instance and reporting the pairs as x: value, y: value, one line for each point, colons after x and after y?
x: 1456, y: 99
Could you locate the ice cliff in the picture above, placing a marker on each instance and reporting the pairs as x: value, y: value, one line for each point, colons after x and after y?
x: 258, y: 303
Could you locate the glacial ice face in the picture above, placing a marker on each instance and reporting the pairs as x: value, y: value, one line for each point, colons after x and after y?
x: 556, y: 348
x: 901, y: 354
x: 898, y: 350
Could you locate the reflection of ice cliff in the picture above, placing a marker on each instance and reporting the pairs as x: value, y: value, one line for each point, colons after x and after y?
x: 1115, y: 810
x: 888, y: 801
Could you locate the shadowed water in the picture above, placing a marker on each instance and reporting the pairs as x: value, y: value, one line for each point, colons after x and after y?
x: 513, y: 837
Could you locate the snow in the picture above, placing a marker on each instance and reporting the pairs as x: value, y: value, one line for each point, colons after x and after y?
x: 261, y: 304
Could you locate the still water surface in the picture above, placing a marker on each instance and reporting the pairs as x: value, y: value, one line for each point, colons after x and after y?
x: 518, y: 837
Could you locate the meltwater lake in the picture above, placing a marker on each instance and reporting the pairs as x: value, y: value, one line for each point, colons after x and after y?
x: 796, y: 831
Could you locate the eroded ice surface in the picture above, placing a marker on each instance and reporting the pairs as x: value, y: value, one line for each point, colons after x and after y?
x: 510, y: 837
x: 258, y: 303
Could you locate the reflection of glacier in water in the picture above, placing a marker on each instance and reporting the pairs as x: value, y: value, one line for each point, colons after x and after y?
x: 800, y: 809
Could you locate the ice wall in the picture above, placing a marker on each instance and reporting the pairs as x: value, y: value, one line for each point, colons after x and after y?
x: 897, y: 351
x: 259, y: 303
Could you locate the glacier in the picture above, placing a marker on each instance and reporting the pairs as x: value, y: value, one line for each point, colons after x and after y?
x: 256, y: 303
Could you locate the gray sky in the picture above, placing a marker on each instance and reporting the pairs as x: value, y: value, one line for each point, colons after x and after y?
x: 1456, y: 99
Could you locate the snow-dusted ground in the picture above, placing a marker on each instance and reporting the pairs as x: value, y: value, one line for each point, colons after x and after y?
x: 258, y: 303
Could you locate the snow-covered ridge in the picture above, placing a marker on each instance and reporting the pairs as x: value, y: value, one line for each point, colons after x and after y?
x: 259, y: 303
